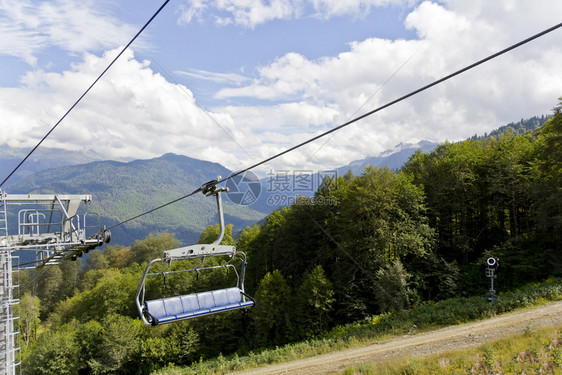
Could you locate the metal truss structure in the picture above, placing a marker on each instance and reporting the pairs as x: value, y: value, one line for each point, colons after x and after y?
x: 50, y: 226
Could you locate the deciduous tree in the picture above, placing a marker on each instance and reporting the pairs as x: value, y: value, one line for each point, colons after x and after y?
x: 314, y: 303
x: 270, y: 315
x: 30, y: 308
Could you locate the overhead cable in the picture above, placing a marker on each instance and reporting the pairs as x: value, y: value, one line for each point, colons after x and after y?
x: 415, y: 92
x: 366, y: 101
x: 434, y: 83
x: 36, y: 278
x: 156, y: 208
x: 85, y: 92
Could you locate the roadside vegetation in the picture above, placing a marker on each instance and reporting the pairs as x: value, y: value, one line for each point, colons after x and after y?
x: 368, y: 256
x: 533, y: 352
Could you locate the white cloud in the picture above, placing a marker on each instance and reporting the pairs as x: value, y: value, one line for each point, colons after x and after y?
x: 246, y: 13
x: 520, y: 84
x: 285, y: 117
x: 252, y: 13
x: 192, y: 9
x: 433, y: 22
x: 356, y: 8
x: 131, y: 113
x: 229, y: 78
x: 29, y: 27
x: 135, y: 113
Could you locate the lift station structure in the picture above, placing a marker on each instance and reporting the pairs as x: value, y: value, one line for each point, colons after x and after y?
x: 50, y: 226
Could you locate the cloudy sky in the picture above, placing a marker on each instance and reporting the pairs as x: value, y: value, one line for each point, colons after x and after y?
x: 236, y: 81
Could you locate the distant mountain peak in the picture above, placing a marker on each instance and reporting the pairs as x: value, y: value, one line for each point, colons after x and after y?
x: 393, y: 158
x: 172, y: 156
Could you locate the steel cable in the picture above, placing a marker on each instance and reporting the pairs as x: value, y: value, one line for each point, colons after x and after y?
x: 391, y: 103
x: 85, y: 92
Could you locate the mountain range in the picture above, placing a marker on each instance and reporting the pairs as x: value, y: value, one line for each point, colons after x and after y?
x: 122, y: 190
x: 394, y: 158
x: 41, y: 159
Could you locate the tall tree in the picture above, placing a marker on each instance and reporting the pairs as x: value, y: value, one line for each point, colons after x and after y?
x: 548, y: 191
x: 380, y: 217
x: 70, y: 278
x: 393, y: 292
x: 119, y: 349
x: 96, y: 261
x: 119, y: 256
x: 49, y: 289
x: 55, y: 352
x: 271, y: 314
x: 314, y: 304
x: 153, y: 246
x: 211, y: 233
x: 30, y: 308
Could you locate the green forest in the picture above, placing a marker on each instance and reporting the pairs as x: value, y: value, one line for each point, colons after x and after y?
x: 380, y: 242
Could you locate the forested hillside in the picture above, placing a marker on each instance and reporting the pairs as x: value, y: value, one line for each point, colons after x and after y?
x: 123, y: 190
x: 364, y: 244
x: 516, y: 128
x: 41, y: 159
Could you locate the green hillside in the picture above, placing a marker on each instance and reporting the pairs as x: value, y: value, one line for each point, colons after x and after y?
x: 123, y: 190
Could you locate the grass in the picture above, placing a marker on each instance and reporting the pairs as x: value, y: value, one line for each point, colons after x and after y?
x: 533, y: 352
x: 426, y: 317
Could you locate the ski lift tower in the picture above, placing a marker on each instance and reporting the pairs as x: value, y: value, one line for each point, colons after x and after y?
x: 50, y: 226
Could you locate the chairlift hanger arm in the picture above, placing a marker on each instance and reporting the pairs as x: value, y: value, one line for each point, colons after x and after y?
x: 213, y: 249
x: 210, y: 188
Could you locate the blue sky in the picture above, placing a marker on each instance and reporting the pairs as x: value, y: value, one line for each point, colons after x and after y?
x: 235, y: 81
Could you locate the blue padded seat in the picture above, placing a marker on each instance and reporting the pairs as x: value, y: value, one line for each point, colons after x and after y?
x: 167, y: 310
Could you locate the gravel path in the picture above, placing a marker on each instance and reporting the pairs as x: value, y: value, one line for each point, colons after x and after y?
x: 417, y: 345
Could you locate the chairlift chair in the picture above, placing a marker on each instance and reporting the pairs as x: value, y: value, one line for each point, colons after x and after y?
x: 172, y: 309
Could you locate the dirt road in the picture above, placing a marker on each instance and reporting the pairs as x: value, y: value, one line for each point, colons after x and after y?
x: 446, y: 339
